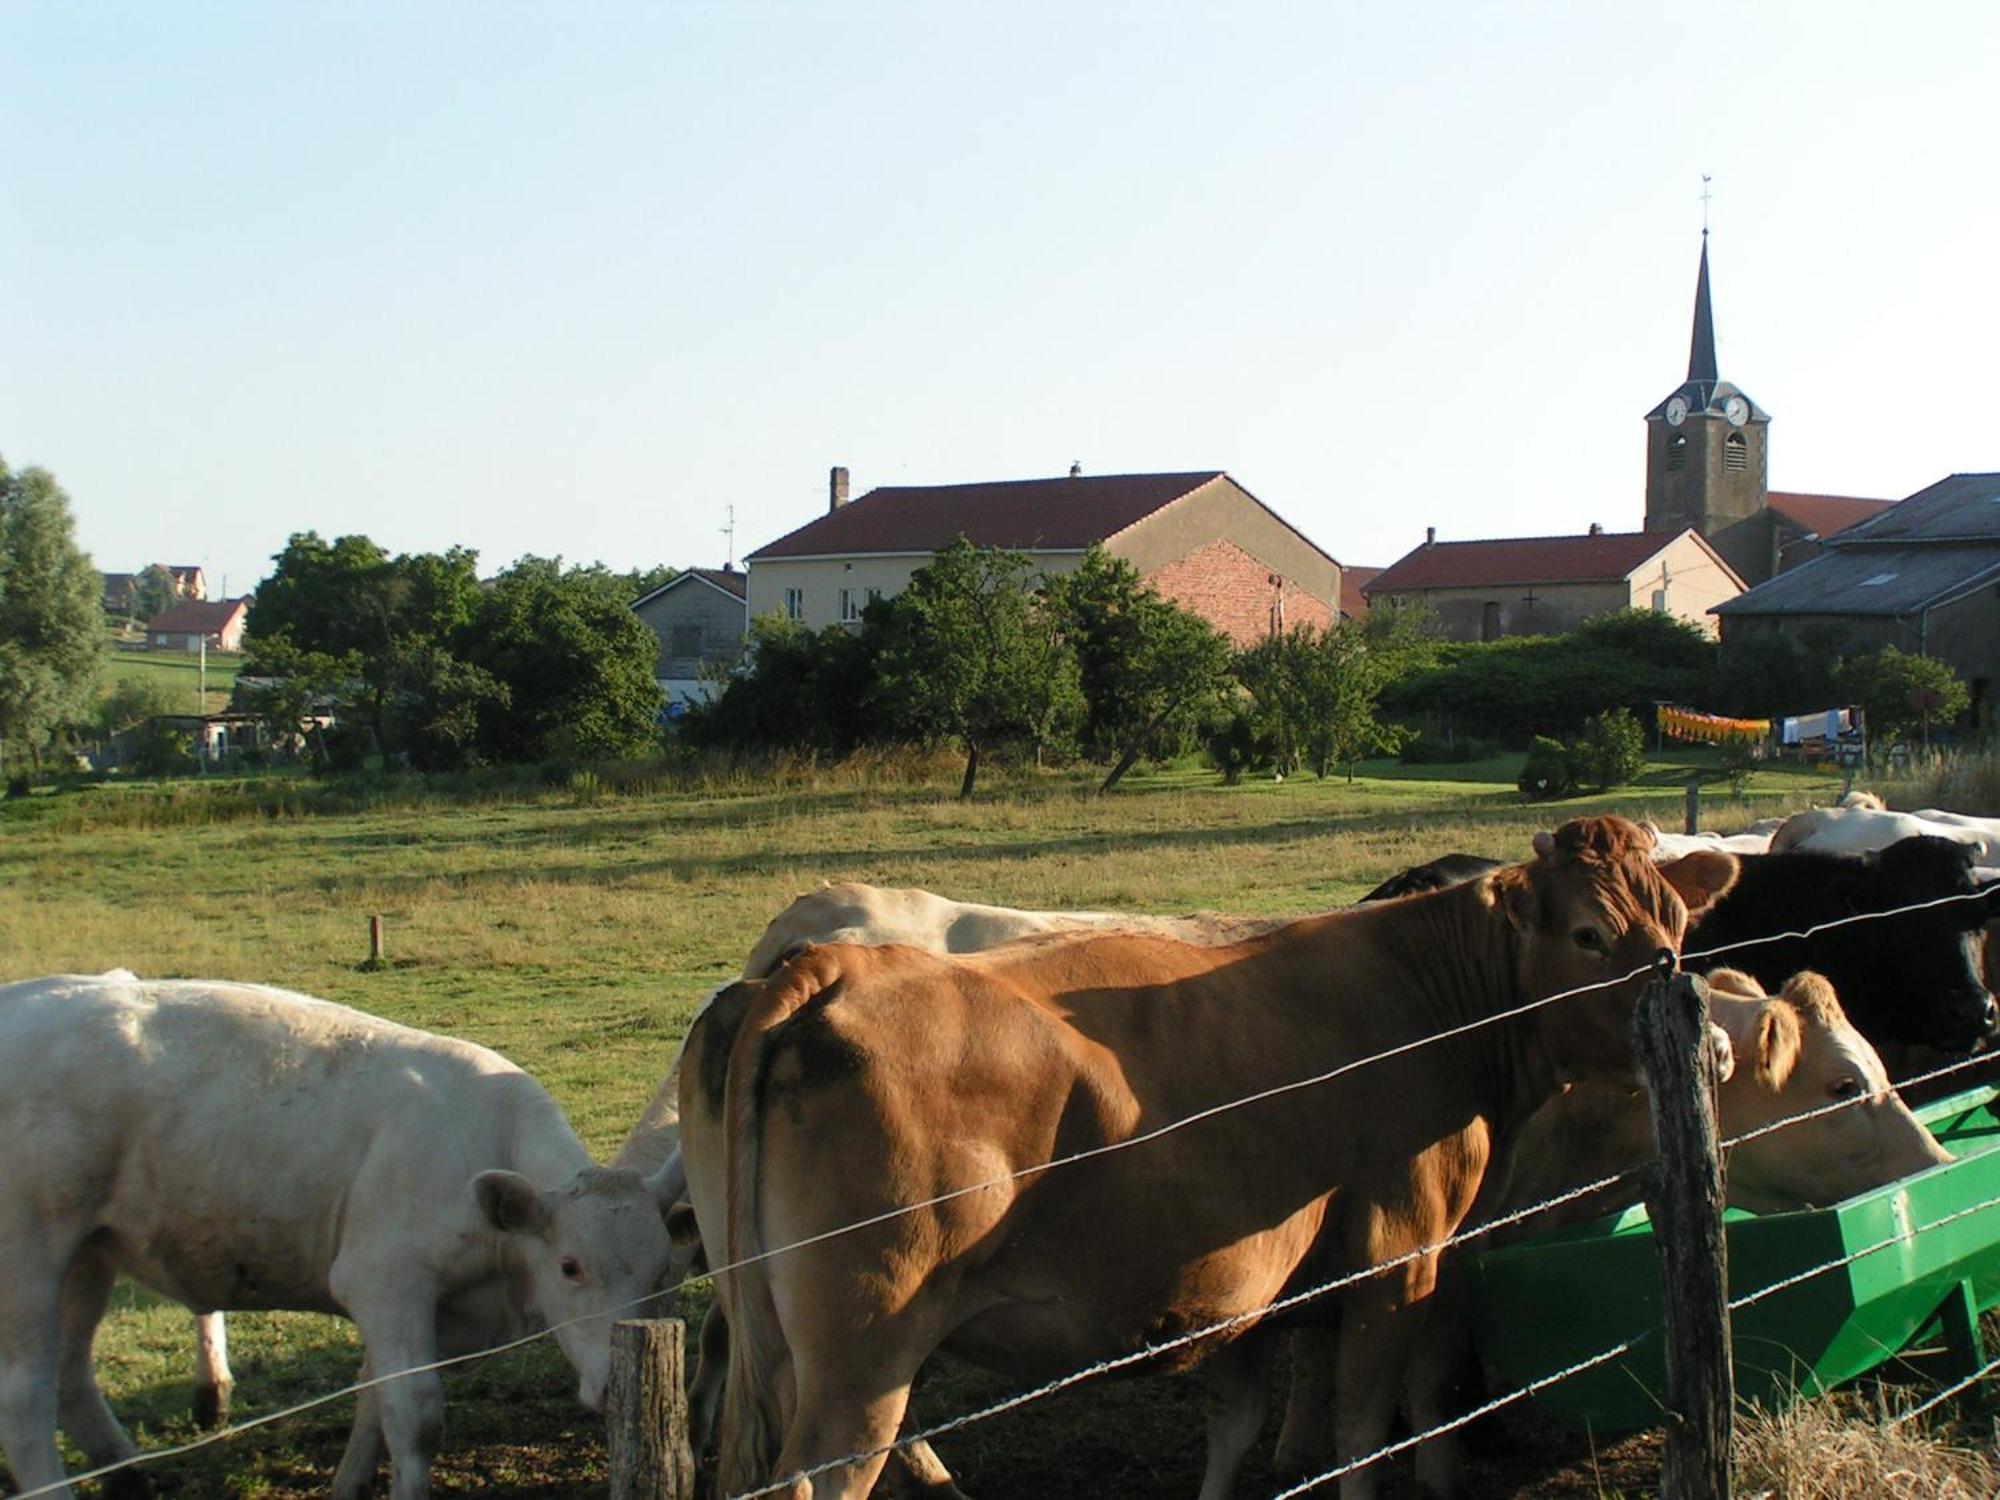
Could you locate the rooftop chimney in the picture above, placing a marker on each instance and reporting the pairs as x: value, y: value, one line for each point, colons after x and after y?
x: 1596, y: 528
x: 1430, y: 536
x: 836, y: 489
x: 1076, y: 469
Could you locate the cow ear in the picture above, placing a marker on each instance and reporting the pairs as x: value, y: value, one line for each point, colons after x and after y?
x: 1701, y: 878
x: 1512, y: 889
x: 509, y: 1201
x: 1778, y: 1043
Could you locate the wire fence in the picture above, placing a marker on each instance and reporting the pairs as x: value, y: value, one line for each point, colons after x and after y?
x: 1156, y: 1351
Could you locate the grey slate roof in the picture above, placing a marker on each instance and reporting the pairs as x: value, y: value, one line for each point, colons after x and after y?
x: 1940, y: 543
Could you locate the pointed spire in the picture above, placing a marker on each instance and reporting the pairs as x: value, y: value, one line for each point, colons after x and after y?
x: 1701, y: 349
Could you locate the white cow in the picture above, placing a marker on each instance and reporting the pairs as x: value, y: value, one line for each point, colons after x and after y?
x: 235, y: 1146
x: 1861, y: 830
x: 1671, y: 846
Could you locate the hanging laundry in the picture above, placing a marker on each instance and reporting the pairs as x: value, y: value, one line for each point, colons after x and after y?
x: 1709, y: 729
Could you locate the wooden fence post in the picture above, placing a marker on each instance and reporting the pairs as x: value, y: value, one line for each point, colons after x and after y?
x: 375, y: 942
x: 646, y: 1413
x: 1684, y: 1197
x: 1692, y: 822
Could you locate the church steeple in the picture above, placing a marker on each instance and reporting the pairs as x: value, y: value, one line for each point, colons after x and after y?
x: 1705, y: 444
x: 1701, y: 348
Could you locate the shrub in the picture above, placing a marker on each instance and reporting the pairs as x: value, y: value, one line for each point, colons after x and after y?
x: 1610, y: 751
x: 1237, y: 745
x: 158, y: 750
x: 1547, y: 772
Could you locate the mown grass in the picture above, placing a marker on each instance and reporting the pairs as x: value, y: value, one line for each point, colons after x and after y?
x: 575, y: 927
x: 179, y: 673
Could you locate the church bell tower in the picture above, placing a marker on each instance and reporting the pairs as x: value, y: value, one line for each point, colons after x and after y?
x: 1706, y: 444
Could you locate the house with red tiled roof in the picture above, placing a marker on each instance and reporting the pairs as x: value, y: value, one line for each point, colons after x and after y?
x: 700, y: 618
x: 185, y: 627
x: 1543, y: 585
x: 1354, y: 581
x: 1200, y: 539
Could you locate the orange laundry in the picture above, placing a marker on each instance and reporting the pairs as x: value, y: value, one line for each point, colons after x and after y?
x: 1710, y: 729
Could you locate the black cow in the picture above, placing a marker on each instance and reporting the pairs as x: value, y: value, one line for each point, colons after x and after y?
x: 1446, y: 869
x: 1913, y: 979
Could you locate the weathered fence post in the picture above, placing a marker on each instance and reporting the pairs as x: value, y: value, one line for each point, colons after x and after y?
x: 646, y: 1413
x: 375, y: 942
x: 1685, y: 1199
x: 1692, y: 821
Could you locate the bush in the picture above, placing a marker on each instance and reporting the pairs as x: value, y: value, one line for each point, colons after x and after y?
x: 1427, y: 749
x: 1547, y: 772
x: 158, y: 750
x: 1237, y: 746
x: 1610, y: 752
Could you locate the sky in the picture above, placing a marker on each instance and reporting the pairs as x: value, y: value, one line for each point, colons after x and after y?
x: 579, y: 279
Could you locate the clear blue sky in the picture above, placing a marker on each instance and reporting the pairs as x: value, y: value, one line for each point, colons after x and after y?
x: 574, y: 278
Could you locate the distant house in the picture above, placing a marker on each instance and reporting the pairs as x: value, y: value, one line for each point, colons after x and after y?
x: 186, y: 626
x: 1922, y: 575
x: 700, y: 618
x: 1354, y: 581
x: 1200, y: 539
x: 189, y: 581
x: 1543, y: 585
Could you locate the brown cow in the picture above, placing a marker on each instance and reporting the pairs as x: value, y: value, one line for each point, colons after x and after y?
x: 1036, y: 1051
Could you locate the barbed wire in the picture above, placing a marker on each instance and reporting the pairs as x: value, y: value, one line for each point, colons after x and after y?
x: 1152, y: 1352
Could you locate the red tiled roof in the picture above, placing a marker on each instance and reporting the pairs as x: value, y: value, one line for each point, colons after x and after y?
x: 196, y: 616
x: 1591, y: 558
x: 1823, y: 515
x: 1027, y: 515
x: 1353, y: 579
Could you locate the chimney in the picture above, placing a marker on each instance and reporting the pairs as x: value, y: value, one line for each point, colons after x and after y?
x: 1596, y: 528
x: 1430, y: 536
x: 1076, y: 469
x: 836, y: 489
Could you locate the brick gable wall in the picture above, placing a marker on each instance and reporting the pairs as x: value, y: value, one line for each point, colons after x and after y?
x: 1234, y: 592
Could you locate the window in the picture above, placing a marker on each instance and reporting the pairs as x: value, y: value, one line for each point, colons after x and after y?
x: 684, y: 641
x: 1677, y: 451
x: 795, y: 604
x: 1735, y: 454
x: 850, y: 606
x: 1489, y: 620
x: 873, y: 595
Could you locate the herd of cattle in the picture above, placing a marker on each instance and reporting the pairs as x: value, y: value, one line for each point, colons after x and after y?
x: 1062, y: 1138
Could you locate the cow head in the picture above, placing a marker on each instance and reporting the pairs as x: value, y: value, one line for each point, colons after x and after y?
x: 1795, y: 1054
x: 1592, y: 908
x: 583, y: 1255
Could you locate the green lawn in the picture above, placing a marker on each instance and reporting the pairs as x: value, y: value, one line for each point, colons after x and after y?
x: 576, y: 931
x: 178, y: 672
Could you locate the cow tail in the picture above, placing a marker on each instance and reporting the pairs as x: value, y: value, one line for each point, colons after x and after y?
x: 752, y: 1415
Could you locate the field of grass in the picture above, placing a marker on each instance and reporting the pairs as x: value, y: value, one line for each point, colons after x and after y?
x: 576, y: 930
x: 179, y: 673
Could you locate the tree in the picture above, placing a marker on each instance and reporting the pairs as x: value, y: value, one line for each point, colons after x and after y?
x: 1152, y: 673
x: 1610, y: 752
x: 1317, y: 693
x: 965, y: 655
x: 153, y: 593
x: 576, y: 663
x: 51, y: 615
x: 1898, y: 693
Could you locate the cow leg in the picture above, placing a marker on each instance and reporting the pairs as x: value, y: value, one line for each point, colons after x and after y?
x: 711, y: 1375
x: 86, y: 1291
x: 918, y: 1473
x: 363, y: 1454
x: 1305, y: 1441
x: 30, y: 1356
x: 1238, y: 1392
x: 400, y: 1333
x: 1377, y: 1328
x: 828, y: 1424
x: 1440, y: 1353
x: 213, y: 1383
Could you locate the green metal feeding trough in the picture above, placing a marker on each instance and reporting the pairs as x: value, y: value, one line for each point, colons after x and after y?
x: 1546, y: 1304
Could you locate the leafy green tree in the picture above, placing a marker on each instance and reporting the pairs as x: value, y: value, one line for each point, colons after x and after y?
x: 1152, y: 673
x: 1611, y: 750
x: 965, y: 656
x: 1901, y: 694
x: 1348, y: 677
x: 51, y: 615
x: 438, y: 706
x: 133, y: 701
x: 576, y: 663
x: 288, y: 691
x: 795, y: 689
x: 1768, y: 676
x: 152, y: 593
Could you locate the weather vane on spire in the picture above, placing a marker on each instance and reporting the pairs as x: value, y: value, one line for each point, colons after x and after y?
x: 1705, y: 196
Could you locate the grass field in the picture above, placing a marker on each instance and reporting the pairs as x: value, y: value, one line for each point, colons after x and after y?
x: 576, y: 930
x: 179, y: 673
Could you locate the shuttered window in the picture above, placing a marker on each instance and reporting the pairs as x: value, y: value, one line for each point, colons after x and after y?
x: 1735, y: 454
x: 1677, y: 452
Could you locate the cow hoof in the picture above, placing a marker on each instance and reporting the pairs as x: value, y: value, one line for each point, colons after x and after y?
x: 211, y: 1407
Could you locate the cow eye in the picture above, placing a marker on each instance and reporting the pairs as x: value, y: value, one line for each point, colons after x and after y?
x: 572, y: 1268
x: 1587, y: 938
x: 1846, y: 1088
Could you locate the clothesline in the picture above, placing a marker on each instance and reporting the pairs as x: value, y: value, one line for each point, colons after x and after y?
x: 1710, y: 729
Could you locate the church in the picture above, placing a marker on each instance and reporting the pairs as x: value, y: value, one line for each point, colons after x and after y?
x: 1713, y: 528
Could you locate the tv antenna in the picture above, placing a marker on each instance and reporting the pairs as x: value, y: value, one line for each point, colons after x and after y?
x: 729, y: 531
